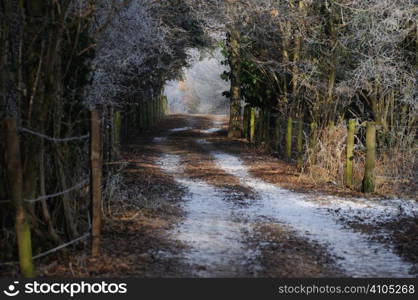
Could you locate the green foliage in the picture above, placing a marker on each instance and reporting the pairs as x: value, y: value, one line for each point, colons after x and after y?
x: 255, y: 89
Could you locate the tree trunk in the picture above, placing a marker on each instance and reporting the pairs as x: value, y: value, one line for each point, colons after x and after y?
x: 260, y: 126
x: 299, y: 143
x: 277, y: 135
x: 116, y: 134
x: 369, y: 177
x: 44, y: 204
x: 312, y: 142
x: 329, y: 113
x: 246, y: 121
x: 289, y: 138
x: 266, y: 126
x: 296, y: 58
x: 66, y: 199
x: 350, y: 153
x: 235, y: 122
x: 14, y: 171
x: 252, y: 124
x: 96, y: 180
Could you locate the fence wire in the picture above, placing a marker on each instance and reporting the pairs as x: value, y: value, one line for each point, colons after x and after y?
x: 53, y: 139
x: 77, y: 186
x: 45, y: 197
x: 83, y: 237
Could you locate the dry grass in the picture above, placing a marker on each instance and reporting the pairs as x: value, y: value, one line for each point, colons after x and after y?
x: 325, y: 161
x: 120, y: 196
x: 395, y: 169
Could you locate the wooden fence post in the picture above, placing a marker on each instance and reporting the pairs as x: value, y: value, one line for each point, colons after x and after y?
x: 166, y: 111
x: 256, y: 125
x: 348, y: 176
x: 299, y: 143
x: 369, y: 180
x: 246, y: 121
x: 157, y: 109
x: 143, y: 115
x: 161, y: 106
x: 266, y: 126
x: 96, y: 182
x: 116, y: 133
x: 289, y: 138
x: 158, y: 104
x: 313, y: 135
x: 15, y: 181
x: 277, y: 135
x: 155, y: 106
x: 260, y: 126
x: 149, y: 114
x: 153, y: 114
x: 252, y: 124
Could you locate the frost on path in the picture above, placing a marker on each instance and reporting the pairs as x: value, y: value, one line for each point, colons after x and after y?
x: 159, y: 139
x: 357, y: 255
x: 369, y: 211
x: 211, y: 229
x: 180, y: 129
x: 210, y: 130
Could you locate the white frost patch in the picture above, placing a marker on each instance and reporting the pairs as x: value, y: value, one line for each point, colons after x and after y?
x: 180, y: 129
x: 159, y: 139
x: 210, y: 130
x: 202, y: 141
x: 369, y: 211
x: 211, y: 228
x: 357, y: 255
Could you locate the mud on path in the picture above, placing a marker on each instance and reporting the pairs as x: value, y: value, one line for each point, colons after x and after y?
x: 216, y: 208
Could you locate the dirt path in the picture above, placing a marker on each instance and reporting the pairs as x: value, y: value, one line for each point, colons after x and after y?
x: 223, y: 240
x: 199, y: 205
x: 238, y: 225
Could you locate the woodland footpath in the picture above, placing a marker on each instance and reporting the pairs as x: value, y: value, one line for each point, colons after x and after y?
x: 319, y: 141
